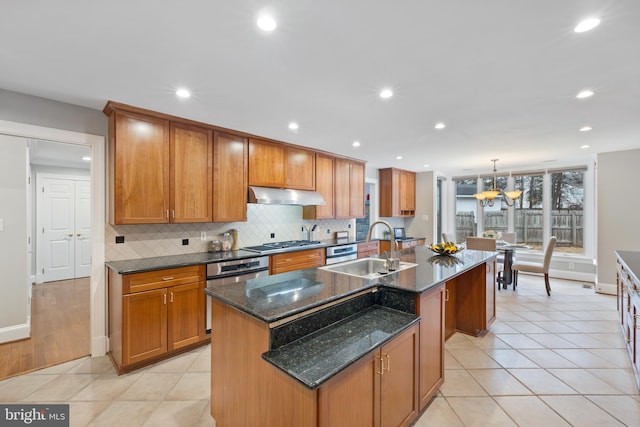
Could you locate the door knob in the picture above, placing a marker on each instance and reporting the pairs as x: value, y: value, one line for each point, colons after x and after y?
x: 79, y: 234
x: 70, y: 234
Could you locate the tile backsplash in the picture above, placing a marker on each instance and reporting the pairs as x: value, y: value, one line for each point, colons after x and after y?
x: 152, y: 240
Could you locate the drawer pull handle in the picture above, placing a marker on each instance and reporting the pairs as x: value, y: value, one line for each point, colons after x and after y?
x: 167, y: 278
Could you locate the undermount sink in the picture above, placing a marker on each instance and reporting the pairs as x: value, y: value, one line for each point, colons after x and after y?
x: 366, y: 268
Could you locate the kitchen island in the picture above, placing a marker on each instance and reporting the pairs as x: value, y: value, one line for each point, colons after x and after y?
x: 320, y: 348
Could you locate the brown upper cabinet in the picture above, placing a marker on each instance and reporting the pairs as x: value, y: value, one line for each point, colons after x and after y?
x: 160, y: 172
x: 191, y: 174
x: 397, y: 193
x: 230, y: 164
x: 325, y: 185
x: 272, y: 164
x: 138, y: 169
x: 266, y: 163
x: 349, y: 188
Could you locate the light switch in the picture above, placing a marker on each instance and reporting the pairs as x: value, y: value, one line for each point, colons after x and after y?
x: 1, y: 224
x: 425, y: 217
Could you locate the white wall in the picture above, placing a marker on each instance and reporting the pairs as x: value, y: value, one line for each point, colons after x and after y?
x: 618, y: 205
x: 14, y: 287
x: 418, y: 226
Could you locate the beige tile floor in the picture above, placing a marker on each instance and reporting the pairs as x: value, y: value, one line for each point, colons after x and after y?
x: 548, y: 361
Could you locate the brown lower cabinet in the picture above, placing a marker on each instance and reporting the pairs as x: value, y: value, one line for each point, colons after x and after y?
x: 291, y: 261
x: 385, y: 245
x: 154, y: 315
x: 366, y: 249
x: 381, y: 389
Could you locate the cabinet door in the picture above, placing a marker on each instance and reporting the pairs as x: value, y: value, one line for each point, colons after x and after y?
x: 300, y: 169
x: 431, y: 309
x: 399, y: 381
x: 144, y: 325
x: 230, y: 164
x: 350, y: 399
x: 490, y: 280
x: 139, y: 174
x: 186, y: 315
x: 407, y: 193
x: 356, y: 197
x: 342, y: 188
x: 325, y: 185
x: 191, y: 174
x: 266, y: 164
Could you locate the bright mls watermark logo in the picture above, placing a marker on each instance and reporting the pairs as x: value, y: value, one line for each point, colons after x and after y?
x: 34, y: 415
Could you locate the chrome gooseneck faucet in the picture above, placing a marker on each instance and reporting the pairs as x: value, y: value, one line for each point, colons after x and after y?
x: 392, y: 251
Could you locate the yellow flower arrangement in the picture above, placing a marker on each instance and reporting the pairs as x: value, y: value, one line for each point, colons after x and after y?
x: 445, y: 248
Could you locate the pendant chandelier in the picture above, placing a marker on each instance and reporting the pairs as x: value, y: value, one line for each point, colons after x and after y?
x: 486, y: 198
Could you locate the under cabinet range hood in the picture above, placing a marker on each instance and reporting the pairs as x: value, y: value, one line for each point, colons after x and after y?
x: 284, y: 196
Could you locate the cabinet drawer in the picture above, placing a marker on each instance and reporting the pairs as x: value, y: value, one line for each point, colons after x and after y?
x: 149, y: 280
x: 296, y: 260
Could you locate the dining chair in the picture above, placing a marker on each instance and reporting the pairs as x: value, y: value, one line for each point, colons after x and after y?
x: 481, y: 243
x: 448, y: 237
x: 536, y: 267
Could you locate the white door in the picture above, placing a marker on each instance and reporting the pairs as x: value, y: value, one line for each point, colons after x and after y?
x: 66, y: 229
x: 82, y: 228
x: 58, y: 229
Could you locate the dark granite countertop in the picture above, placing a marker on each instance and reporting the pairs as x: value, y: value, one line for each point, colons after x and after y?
x: 141, y: 265
x: 276, y: 297
x: 319, y: 356
x: 631, y: 260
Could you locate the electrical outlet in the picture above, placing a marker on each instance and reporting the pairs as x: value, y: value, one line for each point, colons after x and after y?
x: 185, y: 242
x: 119, y: 239
x: 348, y: 225
x: 572, y: 266
x: 203, y: 235
x: 328, y: 231
x: 273, y: 235
x: 425, y: 217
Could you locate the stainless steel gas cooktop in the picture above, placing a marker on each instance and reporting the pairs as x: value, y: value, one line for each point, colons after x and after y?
x: 279, y: 246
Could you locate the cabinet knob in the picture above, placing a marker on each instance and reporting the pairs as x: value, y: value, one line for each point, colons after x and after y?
x: 70, y: 235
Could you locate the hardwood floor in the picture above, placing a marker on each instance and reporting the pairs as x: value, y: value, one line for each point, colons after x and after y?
x: 60, y: 328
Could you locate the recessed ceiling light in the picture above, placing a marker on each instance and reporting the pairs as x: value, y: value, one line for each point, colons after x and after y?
x: 386, y: 93
x: 585, y: 146
x: 586, y: 25
x: 86, y: 158
x: 356, y: 144
x: 399, y: 158
x: 426, y: 166
x: 266, y: 23
x: 585, y: 128
x: 293, y: 126
x: 183, y: 93
x: 440, y: 125
x: 584, y: 94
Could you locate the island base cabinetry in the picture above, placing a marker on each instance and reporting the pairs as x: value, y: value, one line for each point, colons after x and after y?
x: 381, y: 389
x: 431, y: 311
x: 470, y: 301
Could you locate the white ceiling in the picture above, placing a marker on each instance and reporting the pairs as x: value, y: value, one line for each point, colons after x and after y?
x: 502, y: 74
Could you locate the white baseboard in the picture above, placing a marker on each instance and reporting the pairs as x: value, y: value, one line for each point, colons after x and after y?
x: 606, y: 288
x: 14, y: 333
x: 99, y: 346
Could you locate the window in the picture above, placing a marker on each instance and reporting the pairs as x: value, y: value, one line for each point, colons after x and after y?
x: 528, y: 210
x: 567, y: 209
x: 466, y: 208
x: 495, y: 217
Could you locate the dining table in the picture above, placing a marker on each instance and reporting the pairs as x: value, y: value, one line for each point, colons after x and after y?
x: 505, y: 277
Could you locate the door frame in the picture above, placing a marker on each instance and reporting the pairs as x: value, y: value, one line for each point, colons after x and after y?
x: 98, y: 289
x: 40, y: 177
